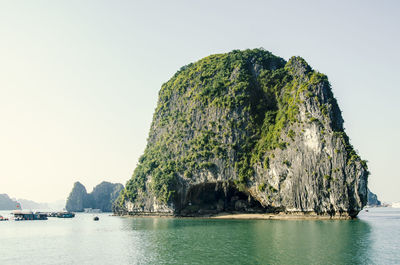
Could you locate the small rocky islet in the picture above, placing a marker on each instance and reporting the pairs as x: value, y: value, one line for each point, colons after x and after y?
x: 102, y: 197
x: 247, y: 132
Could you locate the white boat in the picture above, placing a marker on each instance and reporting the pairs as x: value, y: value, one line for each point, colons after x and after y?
x: 90, y: 210
x: 395, y: 205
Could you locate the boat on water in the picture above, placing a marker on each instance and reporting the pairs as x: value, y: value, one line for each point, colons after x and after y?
x: 28, y: 216
x: 91, y: 210
x: 3, y: 218
x: 65, y: 215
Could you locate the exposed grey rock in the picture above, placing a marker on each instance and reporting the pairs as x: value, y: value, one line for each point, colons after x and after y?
x: 104, y: 194
x: 78, y: 199
x: 102, y: 197
x: 310, y: 168
x: 373, y: 199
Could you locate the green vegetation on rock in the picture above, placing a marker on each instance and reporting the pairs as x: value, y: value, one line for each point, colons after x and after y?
x: 226, y: 116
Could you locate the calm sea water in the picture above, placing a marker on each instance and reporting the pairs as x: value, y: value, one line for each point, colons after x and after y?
x: 372, y: 239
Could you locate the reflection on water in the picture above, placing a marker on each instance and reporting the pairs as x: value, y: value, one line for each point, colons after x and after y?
x: 253, y: 241
x: 372, y: 239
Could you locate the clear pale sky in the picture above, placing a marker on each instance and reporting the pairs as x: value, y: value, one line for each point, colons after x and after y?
x: 79, y: 79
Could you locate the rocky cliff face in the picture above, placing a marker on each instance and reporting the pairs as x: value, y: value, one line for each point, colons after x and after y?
x: 78, y: 199
x: 247, y: 131
x: 102, y: 197
x: 373, y: 199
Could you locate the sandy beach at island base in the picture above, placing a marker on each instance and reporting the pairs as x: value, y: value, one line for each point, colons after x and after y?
x: 251, y: 216
x: 279, y: 216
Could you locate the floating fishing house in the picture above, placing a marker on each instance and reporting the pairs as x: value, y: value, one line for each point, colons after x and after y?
x: 28, y: 215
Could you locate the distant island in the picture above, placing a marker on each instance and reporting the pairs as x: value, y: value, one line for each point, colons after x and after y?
x: 102, y: 197
x: 247, y: 132
x: 29, y: 204
x: 6, y: 203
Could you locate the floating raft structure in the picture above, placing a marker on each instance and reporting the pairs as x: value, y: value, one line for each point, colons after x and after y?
x: 28, y: 215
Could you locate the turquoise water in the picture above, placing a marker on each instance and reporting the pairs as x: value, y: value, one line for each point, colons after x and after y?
x: 372, y: 239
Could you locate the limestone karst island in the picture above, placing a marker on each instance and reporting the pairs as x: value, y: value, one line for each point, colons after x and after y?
x: 247, y: 132
x: 199, y: 132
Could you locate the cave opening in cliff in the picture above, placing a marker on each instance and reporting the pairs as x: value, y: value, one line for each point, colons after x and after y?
x: 216, y: 197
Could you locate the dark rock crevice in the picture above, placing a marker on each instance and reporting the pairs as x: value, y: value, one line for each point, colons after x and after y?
x: 215, y: 197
